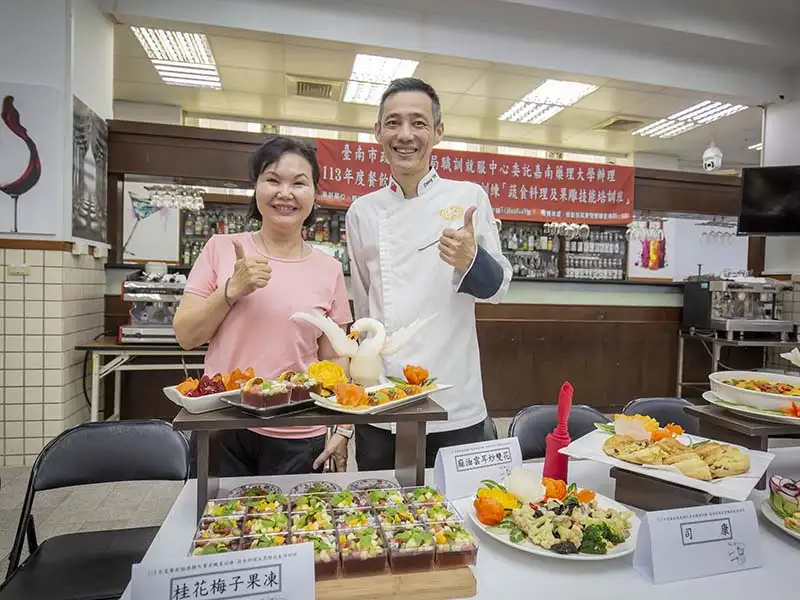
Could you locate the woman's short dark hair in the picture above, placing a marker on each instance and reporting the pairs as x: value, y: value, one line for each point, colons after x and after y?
x: 271, y: 152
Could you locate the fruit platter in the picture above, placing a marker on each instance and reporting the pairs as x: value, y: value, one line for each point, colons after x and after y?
x: 354, y: 532
x: 766, y: 391
x: 782, y: 508
x: 353, y: 398
x: 640, y: 444
x: 552, y: 518
x: 206, y: 394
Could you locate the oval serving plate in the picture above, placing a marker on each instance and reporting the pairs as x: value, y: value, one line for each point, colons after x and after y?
x: 254, y: 490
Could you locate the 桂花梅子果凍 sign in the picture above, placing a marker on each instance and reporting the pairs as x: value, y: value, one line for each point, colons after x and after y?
x: 519, y: 188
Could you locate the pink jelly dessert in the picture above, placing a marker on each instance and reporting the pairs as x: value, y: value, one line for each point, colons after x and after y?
x: 302, y: 385
x: 264, y: 393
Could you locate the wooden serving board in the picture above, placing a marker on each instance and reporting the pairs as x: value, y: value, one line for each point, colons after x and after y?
x: 441, y: 584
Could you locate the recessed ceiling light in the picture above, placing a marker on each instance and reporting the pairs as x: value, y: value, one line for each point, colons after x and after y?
x: 546, y: 101
x: 757, y: 146
x: 690, y: 118
x: 371, y: 75
x: 180, y: 58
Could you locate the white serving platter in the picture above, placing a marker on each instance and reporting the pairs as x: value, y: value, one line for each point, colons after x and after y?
x: 200, y: 404
x: 330, y: 401
x: 763, y: 400
x: 526, y: 545
x: 771, y: 516
x: 738, y: 488
x: 759, y: 414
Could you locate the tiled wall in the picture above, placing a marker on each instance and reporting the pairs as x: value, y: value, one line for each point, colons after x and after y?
x: 791, y: 312
x: 43, y: 316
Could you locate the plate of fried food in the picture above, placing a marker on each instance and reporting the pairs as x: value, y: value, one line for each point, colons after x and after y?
x: 357, y: 399
x: 639, y: 444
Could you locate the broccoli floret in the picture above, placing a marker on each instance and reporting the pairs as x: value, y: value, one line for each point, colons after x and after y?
x: 594, y: 541
x: 612, y: 534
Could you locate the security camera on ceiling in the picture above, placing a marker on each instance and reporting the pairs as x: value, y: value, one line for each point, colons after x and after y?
x: 712, y: 158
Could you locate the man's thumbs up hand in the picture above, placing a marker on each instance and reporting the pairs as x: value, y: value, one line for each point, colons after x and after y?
x: 249, y: 274
x: 457, y: 247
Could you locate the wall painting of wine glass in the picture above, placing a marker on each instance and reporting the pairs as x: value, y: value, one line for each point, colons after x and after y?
x: 30, y: 198
x: 89, y: 173
x: 150, y: 232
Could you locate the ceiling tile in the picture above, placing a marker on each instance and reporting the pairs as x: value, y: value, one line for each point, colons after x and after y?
x: 247, y: 54
x: 254, y: 82
x: 480, y: 106
x: 611, y: 100
x: 446, y: 78
x: 578, y: 118
x: 135, y: 69
x: 310, y: 110
x: 503, y: 85
x: 314, y: 62
x: 659, y: 106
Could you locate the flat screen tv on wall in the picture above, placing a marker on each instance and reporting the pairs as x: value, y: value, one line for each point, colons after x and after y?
x: 770, y: 201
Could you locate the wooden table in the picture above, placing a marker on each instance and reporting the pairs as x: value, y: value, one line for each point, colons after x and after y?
x: 409, y: 458
x: 720, y: 424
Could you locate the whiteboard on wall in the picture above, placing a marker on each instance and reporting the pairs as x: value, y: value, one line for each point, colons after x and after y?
x: 714, y: 253
x: 148, y: 233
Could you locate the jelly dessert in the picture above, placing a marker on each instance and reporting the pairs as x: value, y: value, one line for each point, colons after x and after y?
x: 224, y: 508
x: 257, y: 489
x: 255, y: 542
x: 224, y: 527
x: 308, y: 502
x: 301, y: 384
x: 382, y: 497
x: 219, y: 546
x: 326, y: 552
x: 398, y: 514
x: 264, y: 393
x: 269, y: 523
x: 267, y: 504
x: 455, y: 546
x: 423, y: 495
x: 437, y: 512
x: 313, y: 520
x: 348, y: 499
x: 352, y: 518
x: 363, y: 551
x: 410, y: 548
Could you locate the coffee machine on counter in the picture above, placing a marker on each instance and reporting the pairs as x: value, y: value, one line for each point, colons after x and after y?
x: 154, y: 295
x: 736, y: 307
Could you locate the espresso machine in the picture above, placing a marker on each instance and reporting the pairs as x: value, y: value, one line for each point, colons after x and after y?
x: 736, y: 308
x: 154, y: 295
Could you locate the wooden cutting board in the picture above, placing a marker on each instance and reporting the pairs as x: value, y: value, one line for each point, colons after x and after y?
x: 444, y: 584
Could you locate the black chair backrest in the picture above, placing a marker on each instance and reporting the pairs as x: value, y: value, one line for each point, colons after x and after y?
x: 112, y: 451
x: 665, y: 410
x: 532, y: 424
x: 489, y: 429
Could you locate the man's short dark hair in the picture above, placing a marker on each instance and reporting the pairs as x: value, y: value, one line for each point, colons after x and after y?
x: 271, y: 152
x: 412, y: 84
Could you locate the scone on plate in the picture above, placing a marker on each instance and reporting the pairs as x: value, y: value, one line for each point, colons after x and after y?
x: 672, y: 447
x: 651, y: 455
x: 622, y: 444
x: 729, y: 463
x: 694, y: 467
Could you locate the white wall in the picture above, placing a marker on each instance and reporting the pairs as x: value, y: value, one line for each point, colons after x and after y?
x: 165, y: 114
x: 781, y: 147
x: 92, y: 57
x: 647, y: 160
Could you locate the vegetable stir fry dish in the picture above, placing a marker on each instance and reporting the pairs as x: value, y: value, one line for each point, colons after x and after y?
x: 765, y: 386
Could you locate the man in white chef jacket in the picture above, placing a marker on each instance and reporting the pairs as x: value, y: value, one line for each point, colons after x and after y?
x: 395, y: 281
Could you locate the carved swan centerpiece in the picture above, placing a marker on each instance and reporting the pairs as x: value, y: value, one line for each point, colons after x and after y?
x: 366, y: 345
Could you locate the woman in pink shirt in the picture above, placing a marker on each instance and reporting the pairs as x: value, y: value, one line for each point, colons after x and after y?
x: 239, y: 298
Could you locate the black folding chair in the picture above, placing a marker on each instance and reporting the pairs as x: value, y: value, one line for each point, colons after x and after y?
x: 489, y: 429
x: 532, y: 424
x: 94, y: 565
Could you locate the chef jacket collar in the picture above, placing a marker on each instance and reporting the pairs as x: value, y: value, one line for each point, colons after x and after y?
x: 425, y: 184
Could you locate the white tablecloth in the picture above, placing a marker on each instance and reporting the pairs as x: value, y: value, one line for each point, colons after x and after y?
x: 503, y: 572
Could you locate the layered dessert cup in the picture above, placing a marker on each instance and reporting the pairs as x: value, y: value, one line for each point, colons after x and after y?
x: 234, y: 507
x: 204, y: 547
x: 455, y: 545
x: 326, y: 552
x: 317, y: 520
x: 258, y: 542
x: 363, y: 551
x: 265, y: 393
x: 411, y: 548
x: 220, y: 528
x: 302, y: 385
x: 267, y: 504
x: 263, y: 524
x: 353, y: 518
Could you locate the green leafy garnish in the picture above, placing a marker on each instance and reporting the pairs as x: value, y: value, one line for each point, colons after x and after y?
x: 517, y: 535
x: 606, y: 427
x: 492, y: 485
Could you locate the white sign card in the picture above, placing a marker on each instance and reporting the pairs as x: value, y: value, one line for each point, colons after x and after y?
x: 459, y: 470
x: 686, y: 543
x: 266, y: 574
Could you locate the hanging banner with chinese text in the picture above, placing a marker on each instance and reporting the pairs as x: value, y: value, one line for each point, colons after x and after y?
x: 520, y: 188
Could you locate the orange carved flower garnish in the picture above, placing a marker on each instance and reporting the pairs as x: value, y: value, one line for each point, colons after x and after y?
x: 415, y: 375
x: 792, y: 410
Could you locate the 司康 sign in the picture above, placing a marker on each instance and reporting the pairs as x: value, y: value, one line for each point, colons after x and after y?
x: 519, y: 188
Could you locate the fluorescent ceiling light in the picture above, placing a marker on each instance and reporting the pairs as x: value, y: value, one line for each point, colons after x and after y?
x: 690, y: 118
x: 757, y: 146
x: 546, y: 101
x: 371, y: 75
x: 180, y: 58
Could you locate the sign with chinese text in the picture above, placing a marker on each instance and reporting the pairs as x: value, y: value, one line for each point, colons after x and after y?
x: 688, y: 543
x: 520, y: 188
x: 269, y: 574
x: 459, y: 470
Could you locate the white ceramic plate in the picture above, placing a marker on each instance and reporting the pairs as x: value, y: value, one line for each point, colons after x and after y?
x: 758, y: 414
x: 762, y: 400
x: 527, y: 546
x: 771, y: 516
x: 330, y: 401
x: 201, y: 404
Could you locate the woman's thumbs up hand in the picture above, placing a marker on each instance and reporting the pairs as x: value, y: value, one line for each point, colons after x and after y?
x: 249, y: 274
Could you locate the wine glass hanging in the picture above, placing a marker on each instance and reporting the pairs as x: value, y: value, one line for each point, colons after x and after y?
x: 183, y: 197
